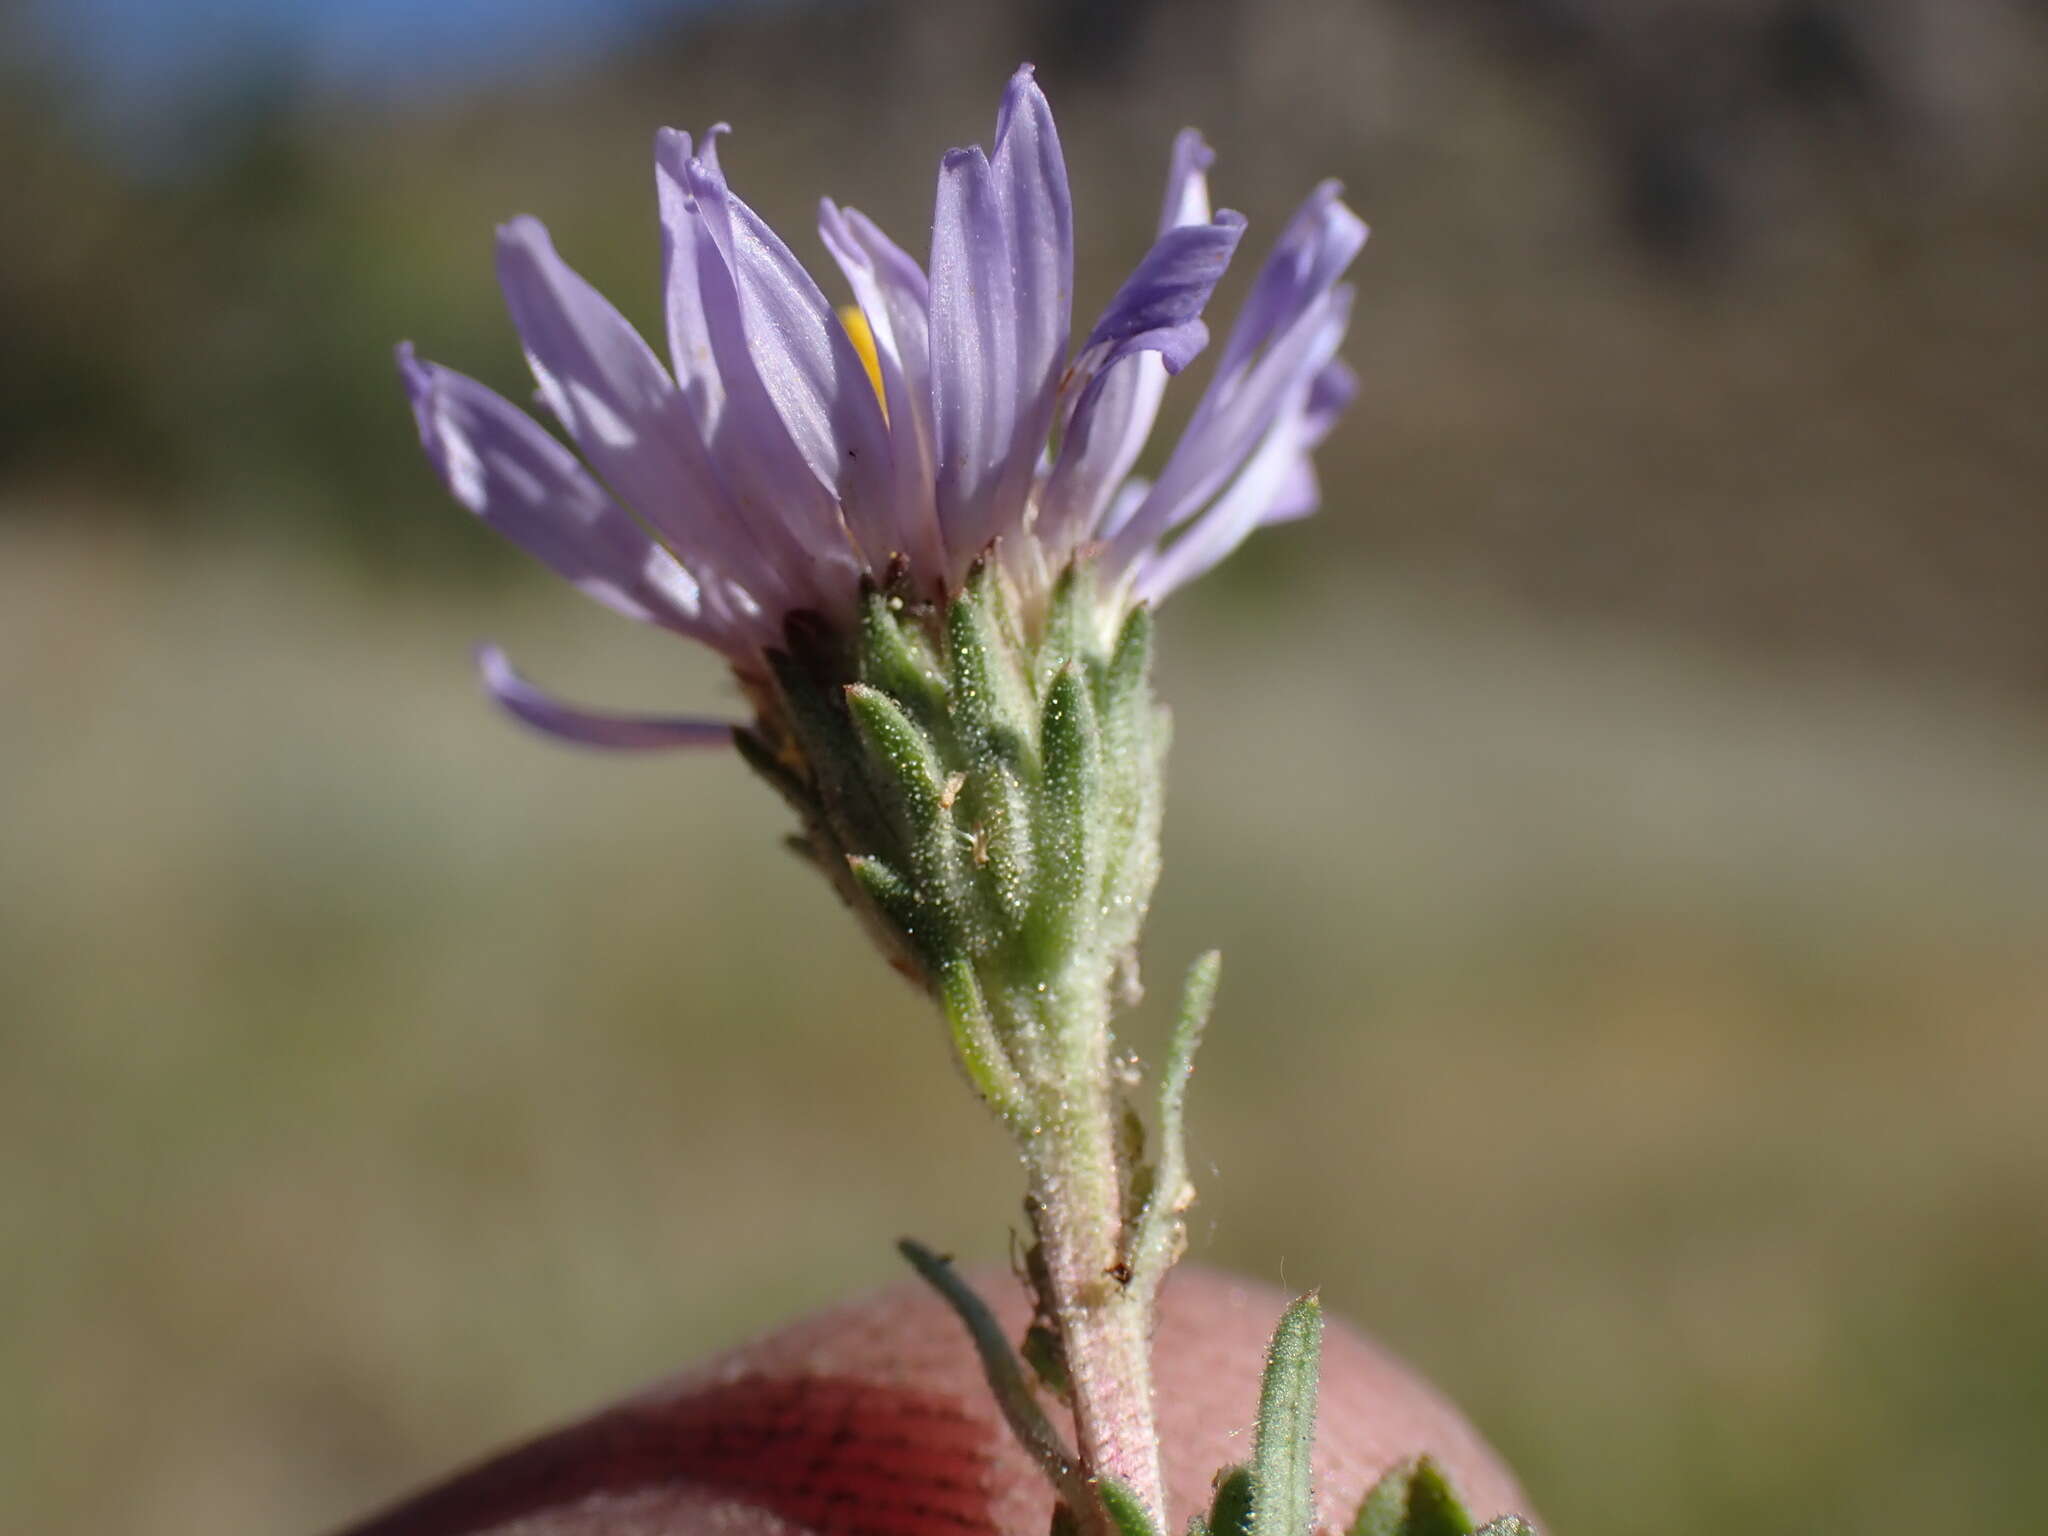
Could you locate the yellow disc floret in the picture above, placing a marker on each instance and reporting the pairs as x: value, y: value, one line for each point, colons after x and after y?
x: 863, y: 338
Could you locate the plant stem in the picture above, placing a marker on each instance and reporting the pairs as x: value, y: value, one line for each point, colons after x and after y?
x: 1105, y: 1325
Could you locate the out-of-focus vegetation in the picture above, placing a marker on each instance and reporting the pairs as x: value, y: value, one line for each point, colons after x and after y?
x: 1635, y: 1006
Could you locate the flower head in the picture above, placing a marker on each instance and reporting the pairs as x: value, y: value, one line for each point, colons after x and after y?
x: 913, y: 529
x: 790, y: 456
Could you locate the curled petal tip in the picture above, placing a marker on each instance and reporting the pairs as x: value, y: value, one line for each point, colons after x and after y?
x: 707, y: 146
x: 701, y: 176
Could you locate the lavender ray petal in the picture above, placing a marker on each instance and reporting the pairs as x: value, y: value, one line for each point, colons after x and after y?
x: 1107, y: 431
x: 807, y: 364
x: 1270, y: 487
x: 974, y: 353
x: 1110, y: 414
x: 1030, y: 176
x: 777, y: 492
x: 1301, y: 493
x: 1128, y: 498
x: 1114, y: 399
x: 605, y: 386
x: 1219, y: 438
x: 891, y: 291
x: 1320, y: 241
x: 707, y: 147
x: 591, y: 728
x: 1312, y: 252
x: 689, y: 330
x: 1267, y: 475
x: 499, y: 463
x: 1157, y: 302
x: 1335, y: 387
x: 1187, y: 182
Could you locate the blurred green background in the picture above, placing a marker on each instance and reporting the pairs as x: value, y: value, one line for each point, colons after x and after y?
x: 1624, y: 811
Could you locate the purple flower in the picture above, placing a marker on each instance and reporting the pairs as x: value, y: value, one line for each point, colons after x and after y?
x: 785, y: 451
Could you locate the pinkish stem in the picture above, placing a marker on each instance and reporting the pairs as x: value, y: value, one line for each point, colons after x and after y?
x: 1105, y: 1325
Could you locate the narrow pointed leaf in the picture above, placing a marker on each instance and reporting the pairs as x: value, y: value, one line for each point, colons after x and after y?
x: 1005, y: 1375
x: 827, y: 748
x: 1126, y: 1513
x: 1072, y: 836
x: 1159, y: 1227
x: 1433, y: 1510
x: 975, y: 1041
x: 1048, y: 1362
x: 892, y: 895
x: 1131, y: 662
x: 1283, y: 1486
x: 914, y: 777
x: 991, y: 700
x: 1000, y: 844
x: 1070, y: 613
x: 1230, y: 1511
x: 890, y: 662
x: 1412, y: 1499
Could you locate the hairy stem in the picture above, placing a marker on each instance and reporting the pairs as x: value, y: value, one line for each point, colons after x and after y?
x: 1105, y: 1326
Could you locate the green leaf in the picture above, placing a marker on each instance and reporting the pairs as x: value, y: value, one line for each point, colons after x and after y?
x: 890, y: 659
x: 1047, y: 1359
x: 999, y: 842
x: 1159, y: 1230
x: 1069, y: 621
x: 1230, y: 1511
x: 1133, y: 750
x: 897, y: 902
x: 991, y: 698
x: 828, y: 748
x: 912, y: 773
x: 1507, y: 1525
x: 1130, y: 664
x: 1413, y: 1499
x: 1070, y: 840
x: 1283, y: 1489
x: 1125, y: 1512
x: 980, y: 1049
x: 1138, y: 1172
x: 1005, y: 1375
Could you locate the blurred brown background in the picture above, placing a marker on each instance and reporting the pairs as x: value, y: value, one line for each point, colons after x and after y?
x: 1624, y: 811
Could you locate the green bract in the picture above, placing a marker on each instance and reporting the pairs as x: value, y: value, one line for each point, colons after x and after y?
x: 983, y: 786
